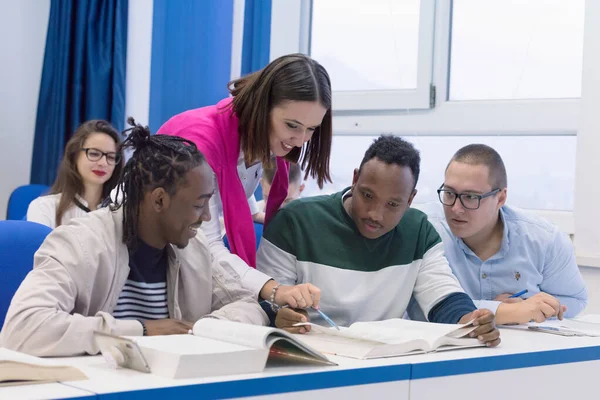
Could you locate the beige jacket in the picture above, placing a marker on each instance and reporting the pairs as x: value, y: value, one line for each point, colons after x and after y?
x: 79, y: 272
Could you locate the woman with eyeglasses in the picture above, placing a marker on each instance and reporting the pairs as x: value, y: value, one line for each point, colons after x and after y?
x: 90, y: 169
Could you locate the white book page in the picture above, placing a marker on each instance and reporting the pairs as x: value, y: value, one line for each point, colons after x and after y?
x: 187, y: 344
x: 568, y: 326
x: 337, y: 344
x: 395, y: 331
x: 233, y: 332
x: 387, y: 338
x: 582, y: 326
x: 590, y: 318
x: 456, y: 341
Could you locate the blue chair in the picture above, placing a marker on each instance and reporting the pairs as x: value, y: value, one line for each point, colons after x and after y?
x: 21, y: 197
x: 258, y: 230
x: 19, y: 240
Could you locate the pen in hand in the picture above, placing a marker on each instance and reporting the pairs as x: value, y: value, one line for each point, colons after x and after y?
x: 519, y: 294
x: 326, y: 318
x: 321, y: 313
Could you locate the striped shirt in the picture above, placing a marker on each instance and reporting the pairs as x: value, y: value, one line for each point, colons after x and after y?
x: 314, y: 240
x: 144, y: 295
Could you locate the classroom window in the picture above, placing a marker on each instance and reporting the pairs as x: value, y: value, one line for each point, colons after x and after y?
x: 378, y: 52
x: 367, y: 45
x: 540, y: 169
x: 515, y: 49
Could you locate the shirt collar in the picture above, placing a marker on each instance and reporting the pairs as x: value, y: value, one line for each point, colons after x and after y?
x: 505, y: 234
x: 81, y: 200
x: 241, y: 162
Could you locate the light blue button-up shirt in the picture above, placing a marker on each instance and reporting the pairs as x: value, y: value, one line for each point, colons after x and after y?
x: 534, y: 255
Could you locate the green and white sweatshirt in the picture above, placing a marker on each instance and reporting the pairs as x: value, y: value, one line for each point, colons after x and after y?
x: 314, y: 240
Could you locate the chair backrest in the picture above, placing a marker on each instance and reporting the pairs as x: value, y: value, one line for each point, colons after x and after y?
x: 19, y: 240
x: 21, y: 197
x: 258, y: 230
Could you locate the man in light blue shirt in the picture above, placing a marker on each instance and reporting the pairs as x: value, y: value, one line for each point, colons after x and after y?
x: 496, y: 251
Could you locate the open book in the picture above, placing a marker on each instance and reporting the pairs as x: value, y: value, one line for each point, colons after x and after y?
x: 566, y: 327
x: 21, y: 369
x: 389, y: 338
x: 219, y: 347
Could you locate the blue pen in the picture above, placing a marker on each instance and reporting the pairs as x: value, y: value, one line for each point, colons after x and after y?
x: 326, y: 318
x: 321, y: 313
x: 521, y: 293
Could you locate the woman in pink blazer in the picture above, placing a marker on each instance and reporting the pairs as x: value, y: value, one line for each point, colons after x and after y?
x: 282, y: 110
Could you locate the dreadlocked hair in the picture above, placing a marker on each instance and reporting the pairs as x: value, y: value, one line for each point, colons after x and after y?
x: 157, y: 161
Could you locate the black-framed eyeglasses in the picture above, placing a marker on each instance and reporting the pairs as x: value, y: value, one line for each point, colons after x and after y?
x: 92, y: 154
x: 470, y: 201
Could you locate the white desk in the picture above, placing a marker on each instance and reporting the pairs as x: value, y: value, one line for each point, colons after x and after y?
x: 352, y: 379
x: 44, y: 391
x: 527, y: 363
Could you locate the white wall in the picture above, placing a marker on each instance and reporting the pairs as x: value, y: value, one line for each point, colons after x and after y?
x: 587, y: 184
x: 591, y: 275
x: 139, y: 51
x: 23, y: 26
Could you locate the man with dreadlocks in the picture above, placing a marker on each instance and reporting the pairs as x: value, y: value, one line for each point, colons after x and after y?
x: 137, y: 268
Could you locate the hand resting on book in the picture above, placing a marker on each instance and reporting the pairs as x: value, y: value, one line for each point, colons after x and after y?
x: 486, y: 331
x: 288, y: 317
x: 167, y: 327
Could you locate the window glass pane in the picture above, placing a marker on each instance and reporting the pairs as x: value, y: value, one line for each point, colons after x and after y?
x: 516, y: 49
x: 541, y: 169
x: 367, y: 44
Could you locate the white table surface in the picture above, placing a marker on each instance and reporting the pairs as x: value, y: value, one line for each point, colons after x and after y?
x: 514, y: 352
x: 42, y: 390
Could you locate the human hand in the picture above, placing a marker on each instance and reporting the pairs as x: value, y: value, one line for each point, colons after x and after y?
x: 505, y: 298
x: 537, y: 308
x: 300, y: 296
x: 486, y: 331
x: 287, y: 317
x: 167, y: 327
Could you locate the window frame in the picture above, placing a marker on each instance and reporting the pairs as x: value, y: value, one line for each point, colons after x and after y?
x: 297, y: 30
x: 539, y: 117
x: 398, y: 99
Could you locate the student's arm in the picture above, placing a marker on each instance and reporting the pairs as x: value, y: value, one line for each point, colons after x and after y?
x: 536, y: 308
x: 436, y: 285
x: 276, y: 254
x: 456, y: 306
x: 39, y: 319
x: 231, y: 300
x: 485, y: 331
x: 251, y: 278
x: 435, y: 215
x: 451, y: 309
x: 562, y: 278
x: 259, y: 217
x: 43, y: 212
x: 276, y: 257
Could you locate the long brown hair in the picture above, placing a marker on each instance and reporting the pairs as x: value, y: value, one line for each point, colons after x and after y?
x: 68, y: 181
x: 294, y: 77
